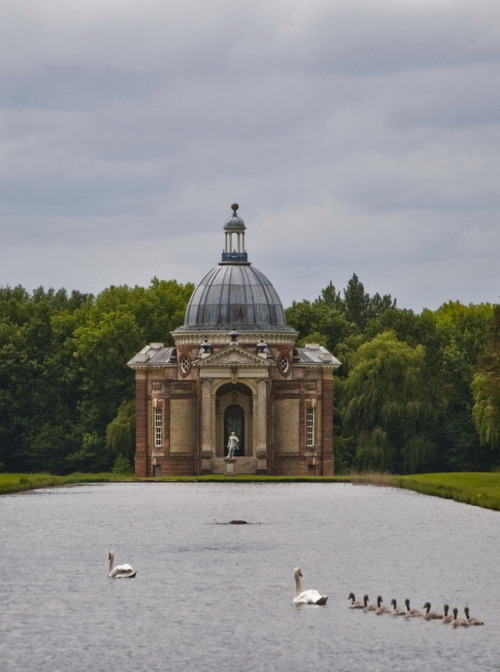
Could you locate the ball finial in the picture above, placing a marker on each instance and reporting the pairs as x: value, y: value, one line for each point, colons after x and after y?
x: 235, y: 207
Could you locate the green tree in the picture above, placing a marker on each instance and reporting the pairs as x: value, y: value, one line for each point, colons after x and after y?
x: 120, y: 433
x: 486, y: 389
x: 461, y: 333
x: 385, y: 407
x: 359, y: 306
x: 63, y: 369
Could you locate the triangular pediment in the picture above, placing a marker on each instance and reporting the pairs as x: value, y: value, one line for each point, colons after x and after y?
x: 233, y: 355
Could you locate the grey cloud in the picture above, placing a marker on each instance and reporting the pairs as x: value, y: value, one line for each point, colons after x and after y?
x: 354, y: 135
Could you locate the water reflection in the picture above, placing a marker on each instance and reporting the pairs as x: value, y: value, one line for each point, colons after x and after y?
x: 211, y: 596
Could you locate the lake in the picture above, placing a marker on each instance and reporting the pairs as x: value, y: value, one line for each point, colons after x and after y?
x: 216, y: 596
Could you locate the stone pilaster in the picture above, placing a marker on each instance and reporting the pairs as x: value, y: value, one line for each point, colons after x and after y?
x: 141, y: 428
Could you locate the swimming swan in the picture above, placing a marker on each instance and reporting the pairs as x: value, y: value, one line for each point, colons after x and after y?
x: 306, y: 596
x: 120, y: 571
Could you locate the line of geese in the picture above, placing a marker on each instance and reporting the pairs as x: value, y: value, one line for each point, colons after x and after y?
x: 427, y: 614
x: 312, y: 596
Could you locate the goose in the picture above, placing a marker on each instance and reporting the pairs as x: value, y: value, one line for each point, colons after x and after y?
x: 380, y: 609
x: 430, y: 615
x: 457, y: 622
x: 471, y: 620
x: 366, y: 606
x: 447, y: 618
x: 369, y: 607
x: 396, y: 611
x: 411, y: 612
x: 310, y: 596
x: 120, y: 571
x: 354, y: 604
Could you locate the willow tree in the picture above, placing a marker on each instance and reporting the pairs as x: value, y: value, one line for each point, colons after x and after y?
x: 385, y: 406
x: 486, y: 389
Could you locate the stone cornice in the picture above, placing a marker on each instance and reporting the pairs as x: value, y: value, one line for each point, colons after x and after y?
x: 271, y: 337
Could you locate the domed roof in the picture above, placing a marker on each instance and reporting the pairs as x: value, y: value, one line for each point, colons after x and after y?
x: 234, y: 294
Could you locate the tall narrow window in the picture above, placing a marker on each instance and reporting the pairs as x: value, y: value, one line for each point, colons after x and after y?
x: 158, y: 427
x: 310, y: 427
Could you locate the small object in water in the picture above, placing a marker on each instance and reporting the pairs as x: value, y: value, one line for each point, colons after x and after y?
x: 396, y: 611
x: 471, y: 620
x: 447, y: 618
x: 429, y: 615
x: 381, y: 609
x: 354, y: 604
x: 412, y: 612
x: 459, y: 622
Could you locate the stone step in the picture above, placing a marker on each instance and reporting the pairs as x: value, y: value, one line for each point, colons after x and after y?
x: 242, y: 465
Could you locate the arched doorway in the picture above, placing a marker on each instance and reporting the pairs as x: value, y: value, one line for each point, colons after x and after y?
x: 234, y: 414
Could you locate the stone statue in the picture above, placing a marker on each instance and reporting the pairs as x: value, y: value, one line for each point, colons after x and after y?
x: 232, y: 445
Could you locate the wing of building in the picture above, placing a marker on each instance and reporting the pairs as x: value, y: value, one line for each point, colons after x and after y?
x: 234, y: 371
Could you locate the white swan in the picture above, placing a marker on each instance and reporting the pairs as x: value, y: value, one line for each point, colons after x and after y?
x: 124, y: 571
x: 310, y: 596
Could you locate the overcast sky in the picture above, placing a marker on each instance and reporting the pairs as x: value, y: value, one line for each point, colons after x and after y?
x: 358, y: 136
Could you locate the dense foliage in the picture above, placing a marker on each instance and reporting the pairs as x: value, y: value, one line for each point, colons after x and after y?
x: 415, y: 392
x: 66, y: 393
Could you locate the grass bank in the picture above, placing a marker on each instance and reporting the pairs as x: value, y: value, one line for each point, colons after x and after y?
x: 478, y: 489
x: 10, y: 483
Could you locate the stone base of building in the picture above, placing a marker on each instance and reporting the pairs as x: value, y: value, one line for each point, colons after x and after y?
x: 302, y: 465
x: 178, y: 465
x: 185, y: 465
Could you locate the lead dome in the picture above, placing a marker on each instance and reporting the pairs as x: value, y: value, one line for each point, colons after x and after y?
x: 234, y: 294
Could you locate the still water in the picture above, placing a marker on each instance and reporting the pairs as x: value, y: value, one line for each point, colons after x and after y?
x: 214, y: 596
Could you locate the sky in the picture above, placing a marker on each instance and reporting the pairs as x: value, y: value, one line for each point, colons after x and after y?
x: 358, y: 137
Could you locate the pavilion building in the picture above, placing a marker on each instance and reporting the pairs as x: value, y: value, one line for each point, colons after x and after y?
x: 234, y: 367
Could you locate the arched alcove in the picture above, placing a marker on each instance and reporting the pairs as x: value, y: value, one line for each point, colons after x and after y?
x: 234, y: 414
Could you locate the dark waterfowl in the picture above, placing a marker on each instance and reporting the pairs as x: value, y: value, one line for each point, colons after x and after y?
x: 472, y: 620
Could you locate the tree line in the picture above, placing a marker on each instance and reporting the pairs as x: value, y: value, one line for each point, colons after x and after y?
x: 415, y: 392
x: 66, y: 394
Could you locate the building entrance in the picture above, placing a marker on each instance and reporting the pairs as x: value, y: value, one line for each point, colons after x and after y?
x: 234, y: 414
